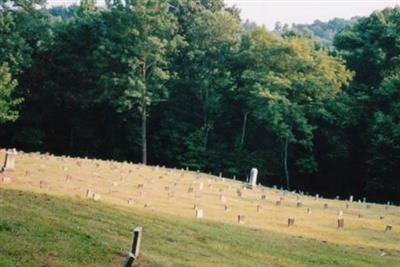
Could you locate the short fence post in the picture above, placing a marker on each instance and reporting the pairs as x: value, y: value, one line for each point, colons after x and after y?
x: 134, y: 253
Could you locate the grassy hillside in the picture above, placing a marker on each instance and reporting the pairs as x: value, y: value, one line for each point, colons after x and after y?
x: 40, y: 230
x: 64, y: 228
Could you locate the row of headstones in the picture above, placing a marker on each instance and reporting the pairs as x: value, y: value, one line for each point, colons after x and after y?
x: 241, y: 219
x: 278, y: 203
x: 253, y: 181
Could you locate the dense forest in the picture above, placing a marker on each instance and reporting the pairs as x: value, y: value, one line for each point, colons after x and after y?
x: 186, y: 83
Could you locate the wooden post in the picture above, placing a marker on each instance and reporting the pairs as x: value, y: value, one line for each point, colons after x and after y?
x: 340, y: 223
x: 134, y: 252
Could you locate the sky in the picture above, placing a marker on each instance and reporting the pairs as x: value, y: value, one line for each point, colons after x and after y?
x: 268, y: 12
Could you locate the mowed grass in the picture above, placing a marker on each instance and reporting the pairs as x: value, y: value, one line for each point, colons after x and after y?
x: 42, y: 230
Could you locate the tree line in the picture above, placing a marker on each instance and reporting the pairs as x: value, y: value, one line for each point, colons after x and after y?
x: 186, y: 83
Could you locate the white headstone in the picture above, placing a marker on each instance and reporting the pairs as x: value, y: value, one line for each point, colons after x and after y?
x: 340, y: 214
x: 253, y: 177
x: 222, y: 198
x: 201, y: 185
x: 199, y: 213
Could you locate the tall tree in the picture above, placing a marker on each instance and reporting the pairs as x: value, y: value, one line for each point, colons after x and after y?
x: 288, y: 83
x: 15, y: 53
x: 136, y: 39
x: 371, y: 48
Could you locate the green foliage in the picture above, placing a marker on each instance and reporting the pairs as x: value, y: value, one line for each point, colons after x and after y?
x: 189, y: 84
x: 371, y: 49
x: 288, y: 82
x: 7, y: 103
x: 133, y: 76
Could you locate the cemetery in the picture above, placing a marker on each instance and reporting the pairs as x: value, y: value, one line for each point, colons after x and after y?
x: 199, y: 133
x: 203, y: 199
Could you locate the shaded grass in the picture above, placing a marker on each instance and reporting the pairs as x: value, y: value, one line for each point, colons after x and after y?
x: 39, y: 230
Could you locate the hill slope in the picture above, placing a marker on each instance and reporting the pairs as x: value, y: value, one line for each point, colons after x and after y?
x: 162, y: 201
x: 40, y: 230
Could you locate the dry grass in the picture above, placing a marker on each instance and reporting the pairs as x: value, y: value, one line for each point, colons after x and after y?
x: 165, y: 191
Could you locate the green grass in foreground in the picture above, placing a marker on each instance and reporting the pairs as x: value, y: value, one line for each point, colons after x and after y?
x: 39, y: 230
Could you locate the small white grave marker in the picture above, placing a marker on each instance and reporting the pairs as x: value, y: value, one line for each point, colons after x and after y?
x: 199, y: 213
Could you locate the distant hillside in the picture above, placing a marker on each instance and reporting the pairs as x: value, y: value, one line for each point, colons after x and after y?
x: 324, y: 31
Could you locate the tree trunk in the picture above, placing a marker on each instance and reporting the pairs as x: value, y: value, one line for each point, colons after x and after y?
x: 144, y: 117
x: 244, y: 128
x: 71, y: 140
x: 144, y: 137
x: 205, y: 119
x: 285, y: 162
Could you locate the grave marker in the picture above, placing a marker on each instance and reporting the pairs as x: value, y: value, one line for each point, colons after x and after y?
x: 9, y: 162
x: 241, y: 219
x: 43, y: 184
x: 89, y: 193
x: 199, y: 213
x: 239, y: 193
x: 6, y: 179
x: 253, y: 177
x: 340, y: 214
x: 340, y: 223
x: 201, y: 185
x: 222, y: 198
x: 134, y: 252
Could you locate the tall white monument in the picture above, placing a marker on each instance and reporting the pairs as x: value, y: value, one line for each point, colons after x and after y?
x: 253, y: 177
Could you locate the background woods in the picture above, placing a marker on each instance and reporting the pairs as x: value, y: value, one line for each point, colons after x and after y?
x: 185, y: 83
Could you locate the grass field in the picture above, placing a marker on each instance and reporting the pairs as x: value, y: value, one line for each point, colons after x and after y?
x: 51, y: 223
x: 40, y: 230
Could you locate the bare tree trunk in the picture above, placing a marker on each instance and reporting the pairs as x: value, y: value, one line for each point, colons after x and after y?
x: 245, y: 114
x: 285, y: 162
x: 144, y: 137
